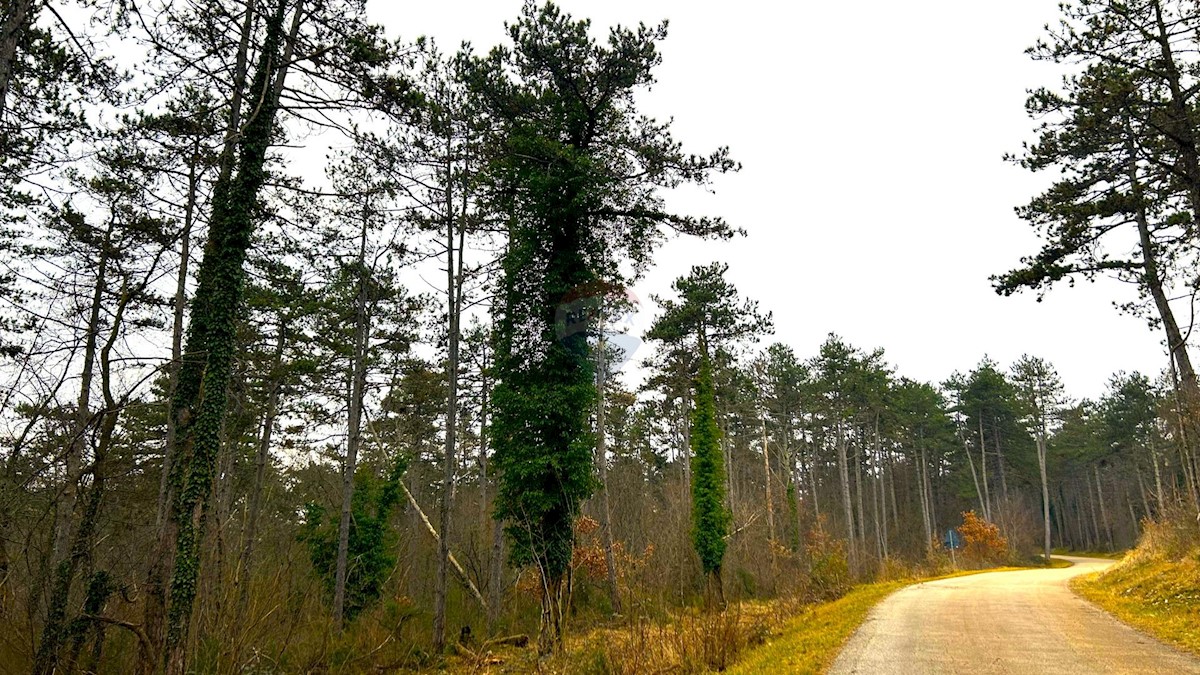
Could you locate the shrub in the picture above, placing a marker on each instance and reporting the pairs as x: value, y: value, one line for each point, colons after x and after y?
x: 828, y: 567
x: 983, y: 543
x: 1172, y: 534
x: 371, y: 541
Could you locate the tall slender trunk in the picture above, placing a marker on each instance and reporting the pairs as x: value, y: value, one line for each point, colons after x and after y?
x: 686, y: 451
x: 923, y: 490
x: 160, y: 560
x: 454, y: 315
x: 1142, y: 491
x: 1152, y: 279
x: 933, y: 502
x: 877, y: 495
x: 974, y: 476
x: 1086, y: 534
x: 858, y: 490
x: 496, y: 561
x: 987, y: 495
x: 56, y: 629
x: 18, y: 15
x: 847, y: 505
x: 362, y: 333
x: 1185, y: 435
x: 65, y: 504
x: 767, y: 488
x: 811, y: 473
x: 1133, y: 519
x: 261, y: 460
x: 1041, y: 454
x: 1000, y: 458
x: 199, y: 403
x: 1060, y: 523
x: 1103, y: 508
x: 610, y: 561
x: 1159, y: 496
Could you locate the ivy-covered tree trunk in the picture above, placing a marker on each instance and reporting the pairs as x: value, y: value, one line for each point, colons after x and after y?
x: 539, y: 431
x: 710, y: 518
x: 198, y: 406
x: 575, y: 170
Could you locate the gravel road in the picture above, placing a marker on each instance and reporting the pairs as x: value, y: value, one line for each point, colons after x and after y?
x: 1025, y: 621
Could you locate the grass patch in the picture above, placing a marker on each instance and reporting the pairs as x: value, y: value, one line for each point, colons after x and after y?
x: 1161, y: 597
x: 1056, y: 563
x: 810, y: 641
x: 1107, y: 555
x: 755, y: 636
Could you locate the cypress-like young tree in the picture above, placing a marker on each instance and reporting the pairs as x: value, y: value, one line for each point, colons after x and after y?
x: 710, y: 518
x: 708, y: 317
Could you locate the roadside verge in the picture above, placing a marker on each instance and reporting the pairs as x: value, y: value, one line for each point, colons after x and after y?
x: 810, y: 641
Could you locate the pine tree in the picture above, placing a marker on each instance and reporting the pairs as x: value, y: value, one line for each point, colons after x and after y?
x: 576, y: 172
x: 709, y: 318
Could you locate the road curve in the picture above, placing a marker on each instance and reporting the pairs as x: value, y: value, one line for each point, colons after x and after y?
x: 1025, y: 621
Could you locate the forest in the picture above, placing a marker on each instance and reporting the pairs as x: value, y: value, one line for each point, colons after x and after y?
x: 256, y: 419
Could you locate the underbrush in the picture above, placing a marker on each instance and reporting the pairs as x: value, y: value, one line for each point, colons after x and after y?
x: 1156, y: 586
x: 696, y: 640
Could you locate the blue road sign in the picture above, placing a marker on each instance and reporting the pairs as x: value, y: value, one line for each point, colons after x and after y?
x: 952, y: 540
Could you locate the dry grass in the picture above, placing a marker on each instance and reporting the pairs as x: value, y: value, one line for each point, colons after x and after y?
x: 1156, y: 587
x: 748, y: 637
x: 810, y: 641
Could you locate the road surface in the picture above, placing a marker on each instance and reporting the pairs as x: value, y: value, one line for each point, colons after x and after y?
x: 1025, y: 621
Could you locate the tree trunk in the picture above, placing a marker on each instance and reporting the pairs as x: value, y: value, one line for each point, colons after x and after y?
x: 974, y: 477
x: 57, y: 627
x: 454, y: 315
x: 496, y: 562
x: 1000, y: 458
x: 1104, y: 521
x: 17, y: 17
x: 614, y: 593
x: 260, y: 468
x: 767, y: 488
x: 1142, y: 491
x: 199, y: 403
x: 879, y: 511
x: 1041, y: 453
x: 362, y: 334
x: 847, y: 505
x: 1159, y: 496
x: 858, y: 492
x: 65, y: 504
x: 160, y: 561
x: 987, y: 495
x: 923, y: 491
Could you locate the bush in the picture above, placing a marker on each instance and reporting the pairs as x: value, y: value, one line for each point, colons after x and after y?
x: 1172, y: 534
x: 828, y: 567
x: 371, y: 541
x: 983, y: 543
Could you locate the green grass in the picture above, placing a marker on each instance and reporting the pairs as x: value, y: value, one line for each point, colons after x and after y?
x: 812, y: 640
x: 1108, y: 555
x: 1158, y: 596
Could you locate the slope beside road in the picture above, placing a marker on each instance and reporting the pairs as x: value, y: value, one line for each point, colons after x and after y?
x: 1024, y: 621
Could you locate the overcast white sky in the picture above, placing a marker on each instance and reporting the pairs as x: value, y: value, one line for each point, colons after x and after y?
x: 873, y: 191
